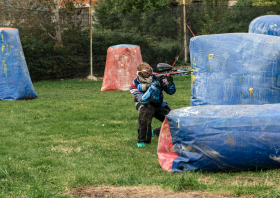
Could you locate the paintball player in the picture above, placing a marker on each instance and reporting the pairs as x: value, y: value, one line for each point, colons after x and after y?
x: 147, y: 91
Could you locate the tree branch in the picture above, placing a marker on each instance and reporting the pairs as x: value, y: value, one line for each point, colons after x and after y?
x: 47, y: 32
x: 34, y: 4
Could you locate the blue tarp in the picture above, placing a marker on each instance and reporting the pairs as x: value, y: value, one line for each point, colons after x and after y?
x: 268, y: 24
x: 224, y: 137
x: 15, y: 81
x: 232, y: 69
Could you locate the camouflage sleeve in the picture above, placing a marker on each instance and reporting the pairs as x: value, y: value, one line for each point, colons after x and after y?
x: 135, y: 92
x: 153, y: 94
x: 170, y: 89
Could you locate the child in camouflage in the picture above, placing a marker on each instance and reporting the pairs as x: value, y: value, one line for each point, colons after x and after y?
x: 147, y: 91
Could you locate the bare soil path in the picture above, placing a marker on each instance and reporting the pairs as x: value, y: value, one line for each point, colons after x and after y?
x: 137, y: 192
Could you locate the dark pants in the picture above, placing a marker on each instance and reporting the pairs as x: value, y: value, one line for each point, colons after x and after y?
x: 146, y: 114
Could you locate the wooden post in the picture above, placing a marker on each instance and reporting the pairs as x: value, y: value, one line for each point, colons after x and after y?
x: 90, y: 21
x: 185, y: 31
x: 91, y: 77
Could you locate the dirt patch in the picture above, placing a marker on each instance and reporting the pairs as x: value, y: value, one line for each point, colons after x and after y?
x: 66, y: 150
x: 137, y: 192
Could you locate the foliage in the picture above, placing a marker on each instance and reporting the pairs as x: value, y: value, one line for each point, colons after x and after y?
x: 143, y: 17
x: 182, y: 62
x: 215, y: 2
x: 29, y: 13
x: 244, y: 3
x: 44, y: 5
x: 155, y: 23
x: 266, y: 3
x: 46, y: 60
x: 129, y: 6
x: 209, y: 19
x: 258, y: 3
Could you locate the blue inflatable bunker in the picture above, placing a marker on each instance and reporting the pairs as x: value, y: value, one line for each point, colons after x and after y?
x: 15, y: 82
x: 268, y: 24
x: 237, y: 68
x: 220, y: 138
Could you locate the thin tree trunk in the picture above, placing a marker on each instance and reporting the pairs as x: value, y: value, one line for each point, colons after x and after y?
x: 58, y: 27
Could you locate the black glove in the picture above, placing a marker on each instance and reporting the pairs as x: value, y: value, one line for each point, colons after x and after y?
x: 160, y: 80
x: 170, y: 80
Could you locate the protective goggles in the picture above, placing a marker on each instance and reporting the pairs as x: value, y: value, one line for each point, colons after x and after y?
x: 145, y: 73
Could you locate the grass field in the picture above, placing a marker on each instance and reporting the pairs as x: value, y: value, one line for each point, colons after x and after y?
x: 75, y: 135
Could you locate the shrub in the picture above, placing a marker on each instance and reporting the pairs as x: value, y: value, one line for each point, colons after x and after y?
x: 46, y: 60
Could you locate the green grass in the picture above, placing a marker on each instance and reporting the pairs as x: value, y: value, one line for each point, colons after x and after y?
x: 73, y: 135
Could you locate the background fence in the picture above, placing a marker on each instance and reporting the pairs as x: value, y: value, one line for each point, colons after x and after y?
x: 158, y: 33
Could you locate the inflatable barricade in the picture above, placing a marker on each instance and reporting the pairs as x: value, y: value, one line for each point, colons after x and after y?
x: 121, y: 67
x: 15, y: 81
x: 267, y: 24
x: 237, y: 68
x: 220, y: 138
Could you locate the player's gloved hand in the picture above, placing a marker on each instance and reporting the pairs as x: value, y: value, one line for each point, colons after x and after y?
x: 155, y: 92
x: 169, y: 80
x: 155, y: 85
x: 160, y: 78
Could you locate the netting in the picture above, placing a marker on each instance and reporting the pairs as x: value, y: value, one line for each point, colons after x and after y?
x: 159, y: 34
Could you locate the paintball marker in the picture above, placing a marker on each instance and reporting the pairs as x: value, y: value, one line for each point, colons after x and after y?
x: 164, y: 67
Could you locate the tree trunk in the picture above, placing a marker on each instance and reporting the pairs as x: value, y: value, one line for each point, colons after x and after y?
x: 57, y: 19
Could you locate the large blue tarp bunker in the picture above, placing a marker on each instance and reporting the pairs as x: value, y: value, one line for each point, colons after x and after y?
x: 221, y: 138
x: 267, y: 24
x: 237, y: 68
x: 15, y: 81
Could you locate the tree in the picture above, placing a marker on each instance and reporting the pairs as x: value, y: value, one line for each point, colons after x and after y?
x: 25, y: 18
x: 258, y: 3
x: 129, y: 6
x: 143, y: 17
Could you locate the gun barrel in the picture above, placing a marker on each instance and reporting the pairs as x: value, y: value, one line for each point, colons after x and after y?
x: 162, y: 75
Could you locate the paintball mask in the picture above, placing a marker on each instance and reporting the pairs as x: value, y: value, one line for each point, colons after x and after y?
x: 145, y: 76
